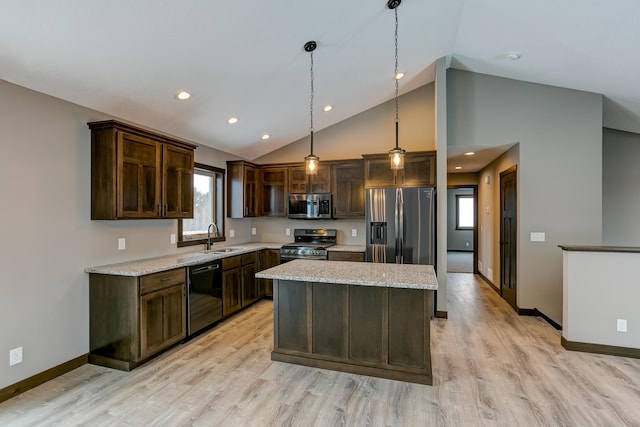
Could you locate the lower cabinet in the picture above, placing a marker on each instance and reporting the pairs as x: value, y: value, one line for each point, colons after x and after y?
x: 239, y: 287
x: 134, y: 318
x: 267, y: 258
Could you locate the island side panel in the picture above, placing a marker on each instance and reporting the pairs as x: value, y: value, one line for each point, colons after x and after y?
x: 330, y: 320
x: 292, y: 316
x: 408, y: 342
x: 367, y: 307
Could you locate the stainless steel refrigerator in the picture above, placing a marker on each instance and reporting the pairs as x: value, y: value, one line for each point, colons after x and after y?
x: 400, y: 225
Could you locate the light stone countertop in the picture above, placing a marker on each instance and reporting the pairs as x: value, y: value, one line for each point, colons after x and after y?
x: 168, y: 262
x: 409, y: 276
x: 346, y: 248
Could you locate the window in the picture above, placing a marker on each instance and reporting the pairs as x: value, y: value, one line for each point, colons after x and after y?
x: 208, y: 207
x: 464, y: 213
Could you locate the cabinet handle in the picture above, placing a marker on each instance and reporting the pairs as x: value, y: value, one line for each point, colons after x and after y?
x: 159, y: 210
x: 246, y: 210
x: 166, y: 209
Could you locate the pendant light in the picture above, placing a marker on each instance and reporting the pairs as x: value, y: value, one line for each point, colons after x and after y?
x: 311, y: 161
x: 396, y: 155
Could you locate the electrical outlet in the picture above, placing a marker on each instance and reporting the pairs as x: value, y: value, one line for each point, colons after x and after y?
x: 480, y: 266
x: 537, y: 236
x: 490, y: 274
x: 466, y: 244
x: 15, y: 356
x: 232, y: 233
x: 622, y: 325
x: 354, y: 232
x: 122, y: 243
x: 173, y: 239
x: 287, y: 232
x: 253, y: 231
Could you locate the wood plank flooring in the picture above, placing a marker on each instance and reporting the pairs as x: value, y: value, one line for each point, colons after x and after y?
x: 490, y: 367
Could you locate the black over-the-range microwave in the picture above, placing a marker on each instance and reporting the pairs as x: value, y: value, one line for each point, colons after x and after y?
x: 310, y: 206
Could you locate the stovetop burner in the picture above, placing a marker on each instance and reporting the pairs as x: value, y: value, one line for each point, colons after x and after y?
x: 309, y: 244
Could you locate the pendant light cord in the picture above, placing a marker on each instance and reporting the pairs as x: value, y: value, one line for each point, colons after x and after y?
x: 311, y: 105
x: 395, y: 75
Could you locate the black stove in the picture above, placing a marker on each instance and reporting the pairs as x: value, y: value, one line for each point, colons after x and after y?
x: 309, y: 244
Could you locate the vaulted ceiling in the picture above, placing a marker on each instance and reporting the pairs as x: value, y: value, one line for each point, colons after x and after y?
x: 129, y: 58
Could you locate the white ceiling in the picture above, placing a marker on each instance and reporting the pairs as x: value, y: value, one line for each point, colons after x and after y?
x: 129, y: 58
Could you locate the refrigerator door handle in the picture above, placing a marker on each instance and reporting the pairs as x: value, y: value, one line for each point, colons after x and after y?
x: 397, y: 226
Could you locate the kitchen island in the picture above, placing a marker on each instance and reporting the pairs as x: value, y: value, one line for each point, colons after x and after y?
x: 363, y: 318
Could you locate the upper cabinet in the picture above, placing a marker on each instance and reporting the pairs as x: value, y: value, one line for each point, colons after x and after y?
x: 273, y: 191
x: 242, y: 189
x: 300, y: 182
x: 348, y: 188
x: 138, y: 174
x: 419, y: 170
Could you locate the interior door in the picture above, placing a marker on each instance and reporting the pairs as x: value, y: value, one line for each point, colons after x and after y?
x: 508, y: 235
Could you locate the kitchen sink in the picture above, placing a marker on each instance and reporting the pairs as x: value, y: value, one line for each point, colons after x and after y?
x: 226, y: 250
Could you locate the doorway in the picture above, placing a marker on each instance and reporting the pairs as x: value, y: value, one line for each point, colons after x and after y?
x: 462, y: 235
x: 508, y: 235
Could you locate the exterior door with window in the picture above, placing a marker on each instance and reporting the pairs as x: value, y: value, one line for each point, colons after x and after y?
x: 508, y: 235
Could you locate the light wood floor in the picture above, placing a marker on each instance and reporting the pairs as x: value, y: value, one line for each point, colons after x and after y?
x: 490, y: 367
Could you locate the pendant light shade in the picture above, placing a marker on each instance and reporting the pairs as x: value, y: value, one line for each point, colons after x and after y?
x: 396, y: 155
x: 311, y: 161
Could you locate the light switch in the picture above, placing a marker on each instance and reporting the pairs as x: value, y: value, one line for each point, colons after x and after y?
x: 537, y: 236
x: 232, y: 233
x: 173, y: 239
x: 122, y: 243
x: 354, y: 232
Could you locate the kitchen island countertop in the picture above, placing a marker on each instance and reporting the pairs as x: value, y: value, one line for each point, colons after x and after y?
x: 408, y: 276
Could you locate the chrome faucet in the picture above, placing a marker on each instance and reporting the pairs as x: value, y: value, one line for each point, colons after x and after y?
x: 215, y: 234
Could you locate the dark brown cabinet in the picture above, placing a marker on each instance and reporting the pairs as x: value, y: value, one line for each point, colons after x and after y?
x: 300, y: 182
x: 273, y: 191
x: 346, y: 256
x: 231, y: 285
x: 249, y: 284
x: 419, y: 170
x: 242, y: 189
x: 137, y: 174
x: 134, y: 318
x: 267, y: 258
x: 348, y: 189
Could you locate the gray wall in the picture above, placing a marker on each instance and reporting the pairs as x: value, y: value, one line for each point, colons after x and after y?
x: 559, y: 132
x: 49, y: 238
x: 457, y: 240
x: 621, y: 188
x: 372, y: 131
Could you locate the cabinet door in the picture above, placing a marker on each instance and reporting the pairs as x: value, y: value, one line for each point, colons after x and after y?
x: 297, y: 180
x: 250, y: 191
x: 162, y: 319
x: 249, y: 285
x: 378, y: 172
x: 267, y: 258
x: 273, y: 195
x: 231, y: 291
x: 320, y: 183
x: 177, y: 164
x: 139, y: 177
x: 419, y: 170
x: 348, y: 190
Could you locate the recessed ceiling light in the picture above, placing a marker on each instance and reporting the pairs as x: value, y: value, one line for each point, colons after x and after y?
x: 232, y: 120
x: 458, y: 168
x: 183, y: 95
x: 399, y: 75
x: 469, y: 153
x: 265, y: 137
x: 327, y: 108
x: 513, y: 56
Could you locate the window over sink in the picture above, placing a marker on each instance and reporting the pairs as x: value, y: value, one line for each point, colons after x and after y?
x: 208, y: 207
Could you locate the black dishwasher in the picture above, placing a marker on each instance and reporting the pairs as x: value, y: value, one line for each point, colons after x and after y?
x: 204, y: 301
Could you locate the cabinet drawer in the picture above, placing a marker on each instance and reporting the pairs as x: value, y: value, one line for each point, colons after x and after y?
x: 156, y: 281
x: 346, y: 256
x: 231, y: 262
x: 248, y: 258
